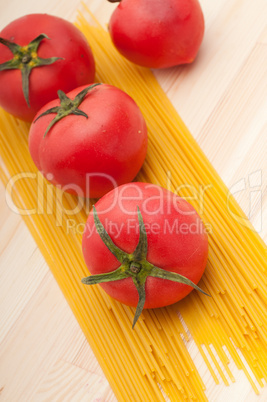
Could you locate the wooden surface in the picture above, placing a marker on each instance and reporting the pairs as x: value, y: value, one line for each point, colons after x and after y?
x: 222, y: 98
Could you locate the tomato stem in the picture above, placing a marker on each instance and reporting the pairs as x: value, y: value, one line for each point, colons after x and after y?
x: 67, y: 106
x: 116, y: 275
x: 140, y: 286
x: 134, y: 265
x: 173, y: 276
x: 25, y: 59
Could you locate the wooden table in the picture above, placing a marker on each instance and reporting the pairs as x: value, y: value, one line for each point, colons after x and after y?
x: 222, y: 98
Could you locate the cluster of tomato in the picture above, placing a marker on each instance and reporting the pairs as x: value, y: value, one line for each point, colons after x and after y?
x: 91, y: 139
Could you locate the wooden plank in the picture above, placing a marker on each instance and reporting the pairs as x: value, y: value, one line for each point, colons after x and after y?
x: 66, y: 381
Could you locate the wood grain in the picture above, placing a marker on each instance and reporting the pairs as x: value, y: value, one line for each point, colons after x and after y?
x: 222, y: 98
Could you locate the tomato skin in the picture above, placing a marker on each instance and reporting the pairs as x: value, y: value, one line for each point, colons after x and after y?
x: 184, y: 250
x: 156, y: 33
x: 66, y: 41
x: 112, y: 141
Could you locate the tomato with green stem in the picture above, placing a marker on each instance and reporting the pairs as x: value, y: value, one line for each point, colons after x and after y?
x: 145, y: 246
x: 39, y: 55
x: 90, y: 140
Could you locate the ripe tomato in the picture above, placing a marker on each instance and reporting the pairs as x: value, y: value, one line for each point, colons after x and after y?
x: 144, y: 245
x: 90, y: 141
x: 48, y: 54
x: 157, y: 33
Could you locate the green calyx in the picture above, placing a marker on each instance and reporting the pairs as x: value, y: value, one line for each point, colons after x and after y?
x: 67, y: 106
x: 134, y: 265
x: 25, y: 59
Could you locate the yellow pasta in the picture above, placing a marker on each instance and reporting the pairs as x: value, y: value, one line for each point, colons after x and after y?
x: 152, y: 360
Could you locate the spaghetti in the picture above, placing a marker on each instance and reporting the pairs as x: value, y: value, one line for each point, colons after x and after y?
x: 152, y: 360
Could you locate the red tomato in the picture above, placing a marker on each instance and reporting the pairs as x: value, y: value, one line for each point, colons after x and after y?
x: 157, y: 33
x: 74, y: 64
x: 90, y: 156
x: 171, y: 239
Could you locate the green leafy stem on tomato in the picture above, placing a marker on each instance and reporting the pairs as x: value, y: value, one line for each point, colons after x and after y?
x: 25, y: 59
x: 134, y: 265
x: 67, y: 106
